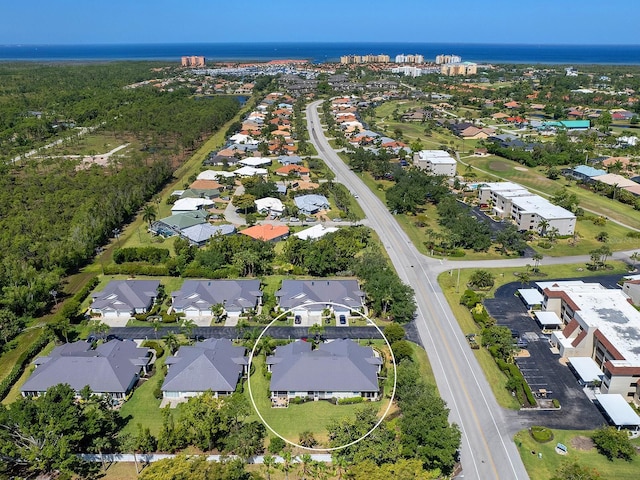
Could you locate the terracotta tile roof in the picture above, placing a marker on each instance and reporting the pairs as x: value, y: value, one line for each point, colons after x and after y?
x: 205, y: 185
x: 266, y: 232
x: 287, y: 169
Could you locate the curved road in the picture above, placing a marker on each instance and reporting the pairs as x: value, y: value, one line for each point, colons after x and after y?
x: 488, y: 451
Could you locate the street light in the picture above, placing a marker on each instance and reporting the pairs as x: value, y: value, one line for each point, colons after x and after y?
x: 116, y: 233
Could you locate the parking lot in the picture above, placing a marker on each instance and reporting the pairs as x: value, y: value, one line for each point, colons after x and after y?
x: 542, y: 369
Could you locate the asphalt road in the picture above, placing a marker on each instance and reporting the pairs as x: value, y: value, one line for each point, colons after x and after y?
x: 488, y: 451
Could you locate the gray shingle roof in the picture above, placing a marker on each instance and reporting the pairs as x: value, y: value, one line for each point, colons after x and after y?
x: 201, y: 233
x: 236, y: 295
x: 295, y: 293
x: 126, y: 295
x: 337, y: 366
x: 311, y: 203
x: 214, y: 364
x: 110, y: 368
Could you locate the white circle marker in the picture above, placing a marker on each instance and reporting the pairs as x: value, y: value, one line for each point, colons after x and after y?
x: 332, y: 449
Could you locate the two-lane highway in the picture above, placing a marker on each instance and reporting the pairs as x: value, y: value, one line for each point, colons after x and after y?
x: 488, y: 452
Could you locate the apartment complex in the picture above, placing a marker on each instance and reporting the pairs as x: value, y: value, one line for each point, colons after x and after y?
x: 193, y: 61
x: 526, y: 210
x: 436, y: 162
x: 465, y: 68
x: 350, y: 59
x: 601, y: 324
x: 442, y: 59
x: 402, y: 58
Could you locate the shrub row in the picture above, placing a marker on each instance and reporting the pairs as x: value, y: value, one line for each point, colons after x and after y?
x: 21, y: 363
x: 523, y: 392
x: 136, y: 269
x: 350, y: 401
x: 141, y: 254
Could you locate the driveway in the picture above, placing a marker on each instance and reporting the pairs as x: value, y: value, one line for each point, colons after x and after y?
x: 543, y: 368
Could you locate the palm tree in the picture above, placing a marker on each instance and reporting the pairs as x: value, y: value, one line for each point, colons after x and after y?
x: 635, y: 256
x: 187, y: 328
x: 149, y: 214
x: 544, y: 224
x: 537, y: 258
x: 156, y: 324
x: 269, y: 462
x: 305, y: 465
x: 171, y: 340
x: 287, y: 464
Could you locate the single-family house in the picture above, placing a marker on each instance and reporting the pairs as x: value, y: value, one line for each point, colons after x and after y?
x: 289, y: 159
x: 585, y: 173
x: 269, y: 205
x: 297, y: 170
x: 191, y: 204
x: 336, y: 369
x: 125, y: 298
x: 174, y: 224
x: 200, y: 234
x: 250, y: 172
x: 314, y: 232
x: 111, y: 368
x: 310, y: 204
x: 213, y: 364
x: 267, y: 232
x: 196, y: 297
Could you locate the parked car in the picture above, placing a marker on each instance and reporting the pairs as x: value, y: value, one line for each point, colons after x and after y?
x: 522, y: 343
x: 342, y: 319
x: 297, y: 320
x: 514, y: 333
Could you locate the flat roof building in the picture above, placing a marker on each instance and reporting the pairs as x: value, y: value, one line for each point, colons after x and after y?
x: 602, y: 324
x: 436, y: 162
x: 526, y: 210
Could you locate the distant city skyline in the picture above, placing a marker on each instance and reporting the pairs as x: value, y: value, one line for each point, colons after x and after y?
x: 591, y: 22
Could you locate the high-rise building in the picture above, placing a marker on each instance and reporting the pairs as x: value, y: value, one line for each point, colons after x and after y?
x: 193, y: 61
x: 443, y: 59
x: 402, y: 58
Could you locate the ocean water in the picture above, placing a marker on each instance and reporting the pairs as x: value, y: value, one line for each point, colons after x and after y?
x: 326, y: 52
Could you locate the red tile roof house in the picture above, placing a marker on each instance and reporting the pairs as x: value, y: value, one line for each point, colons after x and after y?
x: 512, y: 104
x: 267, y: 232
x: 292, y: 170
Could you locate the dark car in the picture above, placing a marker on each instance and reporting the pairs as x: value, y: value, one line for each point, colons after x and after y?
x: 297, y: 320
x: 343, y: 320
x: 514, y: 333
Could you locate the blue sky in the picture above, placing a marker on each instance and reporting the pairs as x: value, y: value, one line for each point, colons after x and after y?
x: 184, y: 21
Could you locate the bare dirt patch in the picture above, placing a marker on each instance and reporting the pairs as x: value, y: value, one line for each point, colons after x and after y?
x: 498, y: 166
x: 521, y: 169
x: 582, y: 443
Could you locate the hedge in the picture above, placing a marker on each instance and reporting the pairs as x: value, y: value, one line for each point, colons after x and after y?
x: 350, y: 401
x: 21, y: 364
x: 141, y: 254
x: 137, y: 269
x: 155, y: 346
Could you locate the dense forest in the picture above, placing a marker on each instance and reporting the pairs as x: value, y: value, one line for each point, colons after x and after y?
x: 54, y: 215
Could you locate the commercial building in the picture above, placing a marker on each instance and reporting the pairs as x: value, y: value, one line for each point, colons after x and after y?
x: 526, y: 210
x: 436, y: 162
x: 599, y: 323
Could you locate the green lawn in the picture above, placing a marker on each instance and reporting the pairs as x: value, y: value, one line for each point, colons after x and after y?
x: 143, y: 406
x: 535, y: 179
x: 14, y: 393
x: 544, y: 468
x: 290, y: 422
x: 22, y: 343
x: 453, y: 290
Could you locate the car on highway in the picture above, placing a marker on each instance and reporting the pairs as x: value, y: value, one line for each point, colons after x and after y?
x: 355, y: 195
